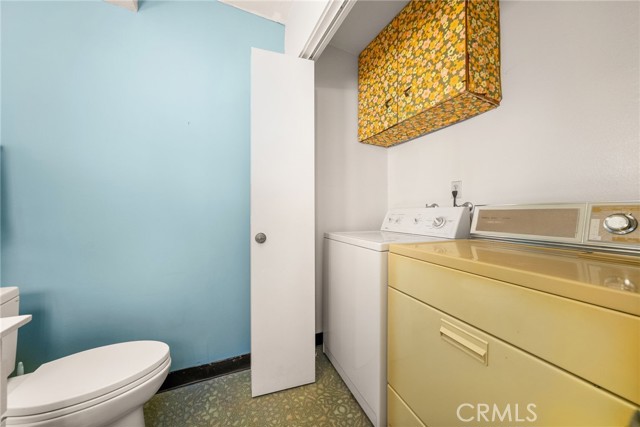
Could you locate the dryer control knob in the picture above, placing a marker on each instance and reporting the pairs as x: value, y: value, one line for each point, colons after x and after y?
x: 620, y: 223
x: 439, y: 222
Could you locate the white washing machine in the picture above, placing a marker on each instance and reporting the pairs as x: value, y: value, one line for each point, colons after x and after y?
x: 355, y: 296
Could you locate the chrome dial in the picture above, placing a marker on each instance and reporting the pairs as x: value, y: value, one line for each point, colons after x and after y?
x: 439, y: 222
x: 620, y: 223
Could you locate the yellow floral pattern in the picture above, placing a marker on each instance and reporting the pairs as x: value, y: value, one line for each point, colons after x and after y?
x: 440, y: 55
x: 483, y: 45
x: 462, y: 107
x: 377, y: 78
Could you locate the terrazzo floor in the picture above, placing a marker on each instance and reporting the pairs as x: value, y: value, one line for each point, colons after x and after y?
x: 227, y: 401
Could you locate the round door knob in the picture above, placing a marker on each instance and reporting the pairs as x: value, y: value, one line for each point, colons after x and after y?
x: 261, y: 237
x: 620, y: 223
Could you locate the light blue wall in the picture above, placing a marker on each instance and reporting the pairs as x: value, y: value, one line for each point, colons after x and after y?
x: 125, y: 198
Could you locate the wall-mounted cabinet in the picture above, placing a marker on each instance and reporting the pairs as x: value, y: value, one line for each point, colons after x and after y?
x: 435, y: 64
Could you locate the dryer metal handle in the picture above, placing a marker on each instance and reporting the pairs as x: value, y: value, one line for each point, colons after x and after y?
x: 461, y: 339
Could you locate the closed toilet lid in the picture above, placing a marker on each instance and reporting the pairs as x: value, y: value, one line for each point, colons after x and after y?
x: 83, y: 376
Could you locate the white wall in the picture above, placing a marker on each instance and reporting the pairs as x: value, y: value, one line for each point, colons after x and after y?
x: 301, y: 22
x: 351, y: 178
x: 567, y: 130
x: 568, y: 126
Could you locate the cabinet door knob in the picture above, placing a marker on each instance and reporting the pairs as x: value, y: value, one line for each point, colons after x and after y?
x: 261, y: 237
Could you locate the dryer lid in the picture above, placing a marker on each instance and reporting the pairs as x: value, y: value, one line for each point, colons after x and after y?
x: 377, y: 240
x: 84, y: 376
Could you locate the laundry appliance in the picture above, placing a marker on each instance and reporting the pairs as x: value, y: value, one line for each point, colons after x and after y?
x: 538, y: 312
x: 355, y: 295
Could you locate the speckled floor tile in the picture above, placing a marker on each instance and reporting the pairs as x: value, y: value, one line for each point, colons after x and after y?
x: 227, y: 401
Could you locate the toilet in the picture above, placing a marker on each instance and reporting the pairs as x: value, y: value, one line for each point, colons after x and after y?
x: 102, y: 387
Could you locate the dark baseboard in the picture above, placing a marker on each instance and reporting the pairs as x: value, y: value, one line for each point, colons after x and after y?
x: 211, y: 370
x: 204, y: 372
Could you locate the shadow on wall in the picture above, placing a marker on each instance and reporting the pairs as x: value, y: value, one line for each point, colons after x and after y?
x: 38, y: 330
x: 147, y: 4
x: 5, y: 229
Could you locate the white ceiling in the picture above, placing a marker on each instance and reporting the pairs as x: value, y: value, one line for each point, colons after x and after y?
x: 364, y: 22
x: 274, y: 10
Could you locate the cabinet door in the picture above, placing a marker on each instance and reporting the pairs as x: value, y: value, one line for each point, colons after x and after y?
x: 377, y: 84
x: 389, y: 75
x: 483, y: 44
x: 431, y: 54
x: 367, y: 115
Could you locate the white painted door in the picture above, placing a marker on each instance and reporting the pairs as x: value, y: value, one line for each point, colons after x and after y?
x: 283, y: 209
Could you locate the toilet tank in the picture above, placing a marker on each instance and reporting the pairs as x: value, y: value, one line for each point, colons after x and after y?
x: 9, y: 306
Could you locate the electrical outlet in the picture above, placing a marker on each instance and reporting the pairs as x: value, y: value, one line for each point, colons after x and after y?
x: 457, y: 186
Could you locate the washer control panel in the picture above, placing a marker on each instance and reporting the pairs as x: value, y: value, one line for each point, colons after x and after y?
x: 449, y: 223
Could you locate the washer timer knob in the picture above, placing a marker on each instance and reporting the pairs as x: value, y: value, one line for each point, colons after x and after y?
x: 620, y: 223
x: 439, y: 222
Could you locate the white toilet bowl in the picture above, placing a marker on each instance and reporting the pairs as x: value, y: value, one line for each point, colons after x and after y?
x: 102, y: 387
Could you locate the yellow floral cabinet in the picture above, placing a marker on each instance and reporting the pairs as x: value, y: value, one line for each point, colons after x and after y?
x: 437, y: 63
